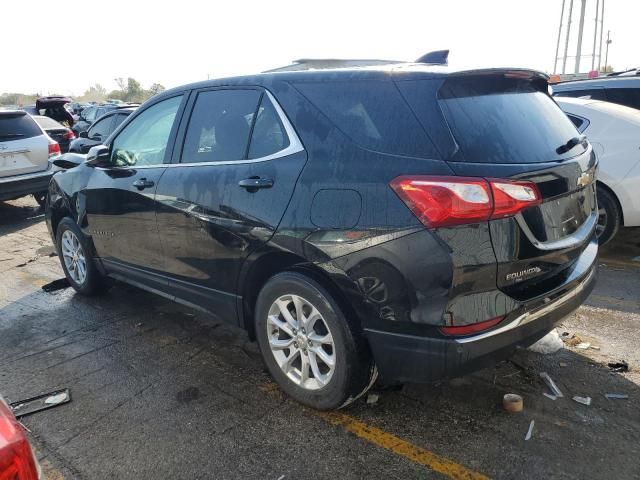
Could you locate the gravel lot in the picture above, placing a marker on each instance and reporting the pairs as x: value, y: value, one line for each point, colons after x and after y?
x: 161, y: 391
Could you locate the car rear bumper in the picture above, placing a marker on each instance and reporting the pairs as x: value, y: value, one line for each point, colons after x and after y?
x: 19, y: 186
x: 410, y: 358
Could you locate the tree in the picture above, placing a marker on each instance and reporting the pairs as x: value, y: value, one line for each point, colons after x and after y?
x: 95, y: 93
x: 155, y: 89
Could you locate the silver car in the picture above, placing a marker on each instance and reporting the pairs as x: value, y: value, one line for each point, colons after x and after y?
x: 25, y: 154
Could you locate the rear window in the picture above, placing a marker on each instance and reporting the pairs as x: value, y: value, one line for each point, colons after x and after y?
x: 373, y: 114
x: 504, y: 120
x: 46, y: 122
x: 17, y: 127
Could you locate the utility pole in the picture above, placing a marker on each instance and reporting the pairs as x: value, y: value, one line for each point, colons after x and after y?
x: 580, y: 30
x: 555, y: 61
x: 566, y: 43
x: 601, y: 30
x: 595, y: 36
x: 606, y: 57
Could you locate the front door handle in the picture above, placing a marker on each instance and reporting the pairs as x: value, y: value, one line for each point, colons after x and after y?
x: 252, y: 184
x: 143, y: 183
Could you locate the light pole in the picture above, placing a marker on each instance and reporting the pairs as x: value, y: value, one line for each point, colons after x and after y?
x: 606, y: 55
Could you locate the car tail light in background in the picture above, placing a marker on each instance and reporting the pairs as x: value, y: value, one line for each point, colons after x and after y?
x: 69, y: 135
x: 54, y: 148
x: 440, y: 201
x: 16, y: 457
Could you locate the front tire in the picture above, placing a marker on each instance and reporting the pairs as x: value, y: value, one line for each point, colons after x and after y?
x: 308, y: 345
x: 76, y: 258
x: 609, y: 216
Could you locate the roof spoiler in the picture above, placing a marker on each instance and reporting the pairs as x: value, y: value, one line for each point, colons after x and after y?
x: 437, y: 57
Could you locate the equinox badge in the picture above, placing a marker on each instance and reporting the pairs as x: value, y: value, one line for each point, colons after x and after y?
x: 518, y: 276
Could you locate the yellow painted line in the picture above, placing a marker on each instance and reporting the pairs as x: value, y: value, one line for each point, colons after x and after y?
x: 380, y: 438
x: 393, y: 444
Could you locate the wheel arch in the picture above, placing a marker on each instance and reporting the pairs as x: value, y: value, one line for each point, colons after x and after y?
x: 604, y: 186
x: 265, y: 266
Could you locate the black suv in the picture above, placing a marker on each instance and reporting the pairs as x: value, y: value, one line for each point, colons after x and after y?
x: 406, y: 221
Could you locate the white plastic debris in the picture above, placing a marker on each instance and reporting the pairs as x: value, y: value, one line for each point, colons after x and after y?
x: 548, y: 395
x: 582, y: 400
x: 372, y: 399
x: 530, y: 431
x: 55, y: 399
x: 551, y: 384
x: 583, y: 346
x: 548, y: 344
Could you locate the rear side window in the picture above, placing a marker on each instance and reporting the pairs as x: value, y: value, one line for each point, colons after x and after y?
x: 504, y: 120
x: 373, y: 114
x: 629, y: 97
x: 590, y: 93
x: 220, y: 125
x: 17, y: 126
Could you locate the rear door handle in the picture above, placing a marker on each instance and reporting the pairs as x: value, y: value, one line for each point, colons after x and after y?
x: 252, y: 184
x: 143, y: 183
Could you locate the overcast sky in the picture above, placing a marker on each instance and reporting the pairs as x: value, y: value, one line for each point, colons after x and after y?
x: 64, y: 47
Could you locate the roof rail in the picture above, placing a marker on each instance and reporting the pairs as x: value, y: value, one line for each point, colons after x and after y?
x: 328, y: 63
x: 437, y: 57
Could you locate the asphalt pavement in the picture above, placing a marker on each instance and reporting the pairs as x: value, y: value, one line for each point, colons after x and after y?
x: 162, y: 391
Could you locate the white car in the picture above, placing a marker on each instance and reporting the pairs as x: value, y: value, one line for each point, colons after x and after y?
x: 614, y: 132
x: 25, y: 153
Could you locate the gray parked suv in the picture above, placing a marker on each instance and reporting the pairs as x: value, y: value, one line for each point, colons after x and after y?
x: 624, y: 90
x: 25, y: 150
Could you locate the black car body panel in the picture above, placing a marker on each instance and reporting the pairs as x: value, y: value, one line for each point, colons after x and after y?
x: 201, y: 234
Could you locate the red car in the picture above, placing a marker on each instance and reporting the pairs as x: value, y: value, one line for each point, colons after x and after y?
x: 17, y: 461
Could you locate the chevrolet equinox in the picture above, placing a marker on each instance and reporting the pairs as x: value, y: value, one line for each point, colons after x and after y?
x: 405, y: 221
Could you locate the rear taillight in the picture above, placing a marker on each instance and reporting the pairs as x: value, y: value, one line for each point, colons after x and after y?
x: 54, y: 148
x: 470, y: 329
x: 16, y: 457
x: 69, y: 135
x: 447, y: 201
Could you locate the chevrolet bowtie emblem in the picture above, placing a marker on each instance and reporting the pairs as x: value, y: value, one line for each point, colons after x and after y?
x: 584, y: 179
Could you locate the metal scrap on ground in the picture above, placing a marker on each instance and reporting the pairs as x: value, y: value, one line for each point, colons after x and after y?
x: 41, y: 402
x: 551, y: 384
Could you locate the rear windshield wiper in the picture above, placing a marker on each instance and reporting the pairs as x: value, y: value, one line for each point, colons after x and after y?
x: 11, y: 135
x: 570, y: 144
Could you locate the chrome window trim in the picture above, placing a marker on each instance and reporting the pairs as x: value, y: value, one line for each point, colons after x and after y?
x: 295, y: 145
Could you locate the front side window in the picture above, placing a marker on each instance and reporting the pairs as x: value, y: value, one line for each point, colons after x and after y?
x: 220, y: 126
x: 120, y: 117
x: 89, y: 114
x: 144, y: 140
x: 100, y: 130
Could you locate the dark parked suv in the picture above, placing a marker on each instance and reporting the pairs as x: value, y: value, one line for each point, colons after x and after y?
x: 403, y: 220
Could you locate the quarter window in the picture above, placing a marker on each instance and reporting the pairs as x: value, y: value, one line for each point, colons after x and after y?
x: 269, y: 135
x: 144, y: 140
x: 220, y: 126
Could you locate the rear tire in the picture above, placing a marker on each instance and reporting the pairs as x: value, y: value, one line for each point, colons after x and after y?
x: 308, y: 345
x: 76, y: 258
x: 40, y: 198
x: 609, y: 216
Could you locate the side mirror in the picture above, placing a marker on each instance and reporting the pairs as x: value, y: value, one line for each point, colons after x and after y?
x: 84, y: 134
x: 99, y: 156
x: 69, y: 160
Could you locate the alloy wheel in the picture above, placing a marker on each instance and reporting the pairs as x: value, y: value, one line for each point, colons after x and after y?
x: 301, y: 342
x: 74, y: 257
x: 601, y: 226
